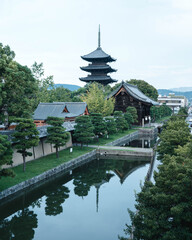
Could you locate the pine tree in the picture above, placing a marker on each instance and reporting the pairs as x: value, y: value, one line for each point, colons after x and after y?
x: 133, y: 112
x: 56, y: 133
x: 121, y: 123
x: 6, y: 154
x: 83, y: 129
x: 98, y: 124
x: 110, y: 125
x: 25, y: 137
x: 129, y: 118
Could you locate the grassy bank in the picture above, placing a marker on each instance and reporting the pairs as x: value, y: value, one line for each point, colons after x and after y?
x: 111, y: 138
x: 34, y: 168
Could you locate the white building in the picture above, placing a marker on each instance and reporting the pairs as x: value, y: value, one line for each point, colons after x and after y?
x: 173, y: 101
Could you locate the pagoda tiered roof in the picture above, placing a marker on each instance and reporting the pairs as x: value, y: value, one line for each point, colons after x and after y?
x: 100, y: 79
x: 97, y: 55
x: 105, y: 68
x: 98, y: 68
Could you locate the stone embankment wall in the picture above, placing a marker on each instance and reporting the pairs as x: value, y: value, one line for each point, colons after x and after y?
x: 65, y: 167
x: 142, y: 132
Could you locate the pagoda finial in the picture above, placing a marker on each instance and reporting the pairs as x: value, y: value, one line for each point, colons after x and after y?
x: 99, y: 38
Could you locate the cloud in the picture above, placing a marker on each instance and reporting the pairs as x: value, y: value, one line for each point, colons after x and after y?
x: 182, y: 4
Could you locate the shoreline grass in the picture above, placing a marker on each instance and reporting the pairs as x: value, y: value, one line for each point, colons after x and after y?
x: 38, y: 166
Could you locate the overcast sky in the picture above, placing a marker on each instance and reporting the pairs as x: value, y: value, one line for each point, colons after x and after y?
x: 151, y: 39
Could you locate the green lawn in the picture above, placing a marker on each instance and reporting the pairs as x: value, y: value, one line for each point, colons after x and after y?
x: 105, y: 140
x: 34, y: 168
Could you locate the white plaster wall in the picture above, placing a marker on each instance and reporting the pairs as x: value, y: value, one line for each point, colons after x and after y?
x: 38, y: 150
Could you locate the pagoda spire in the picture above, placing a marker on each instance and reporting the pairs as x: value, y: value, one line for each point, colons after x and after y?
x: 99, y: 38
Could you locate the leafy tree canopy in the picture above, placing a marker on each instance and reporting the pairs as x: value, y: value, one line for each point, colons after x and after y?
x: 96, y: 101
x: 145, y: 87
x: 120, y: 120
x: 176, y: 133
x: 98, y: 123
x: 56, y: 133
x: 17, y: 87
x: 110, y: 125
x: 83, y: 132
x: 6, y: 154
x: 25, y: 137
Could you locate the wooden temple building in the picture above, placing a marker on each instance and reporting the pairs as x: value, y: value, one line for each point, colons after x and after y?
x: 98, y: 67
x: 129, y: 95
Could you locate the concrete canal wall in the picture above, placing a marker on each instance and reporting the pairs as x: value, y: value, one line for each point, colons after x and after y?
x: 61, y: 168
x: 142, y: 132
x: 97, y: 153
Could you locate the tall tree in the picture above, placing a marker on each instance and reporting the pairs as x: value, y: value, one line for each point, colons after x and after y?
x: 25, y: 137
x: 121, y: 123
x: 176, y: 133
x: 45, y: 84
x: 164, y: 209
x: 133, y: 112
x: 98, y: 124
x: 96, y: 101
x: 110, y: 125
x: 17, y: 87
x: 145, y: 87
x: 56, y: 133
x: 83, y: 132
x: 6, y: 154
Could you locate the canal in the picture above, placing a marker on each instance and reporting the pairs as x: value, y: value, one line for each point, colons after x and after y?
x: 89, y: 202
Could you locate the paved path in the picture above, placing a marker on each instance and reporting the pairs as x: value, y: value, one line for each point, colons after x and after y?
x: 133, y: 149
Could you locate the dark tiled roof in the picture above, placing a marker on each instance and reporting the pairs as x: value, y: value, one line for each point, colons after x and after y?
x: 100, y: 79
x: 56, y: 109
x: 135, y: 93
x: 102, y: 68
x: 69, y: 126
x: 97, y: 55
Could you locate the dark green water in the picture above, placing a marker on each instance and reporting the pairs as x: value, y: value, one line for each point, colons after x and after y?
x: 89, y: 203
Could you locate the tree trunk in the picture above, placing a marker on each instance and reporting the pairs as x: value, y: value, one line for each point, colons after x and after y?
x: 57, y: 152
x: 24, y: 162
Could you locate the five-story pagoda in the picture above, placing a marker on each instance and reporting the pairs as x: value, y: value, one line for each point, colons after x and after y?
x: 98, y: 67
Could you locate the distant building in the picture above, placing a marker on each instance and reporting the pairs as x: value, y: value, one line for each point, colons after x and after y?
x: 98, y: 68
x: 173, y: 101
x: 66, y: 110
x: 129, y: 95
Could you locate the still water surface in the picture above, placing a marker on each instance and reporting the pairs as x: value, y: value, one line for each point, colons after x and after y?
x: 89, y: 202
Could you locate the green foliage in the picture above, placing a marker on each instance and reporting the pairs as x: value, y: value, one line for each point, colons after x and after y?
x: 183, y: 112
x: 17, y: 87
x: 120, y: 121
x: 6, y: 154
x: 83, y: 132
x: 56, y: 133
x: 25, y: 137
x: 110, y: 125
x: 60, y: 94
x: 133, y: 112
x: 98, y: 124
x: 176, y: 133
x: 129, y: 118
x: 158, y: 112
x: 164, y: 209
x: 145, y: 87
x: 43, y: 93
x: 96, y: 101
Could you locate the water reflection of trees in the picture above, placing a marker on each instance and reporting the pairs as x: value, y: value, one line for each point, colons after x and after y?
x: 56, y: 195
x: 20, y: 226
